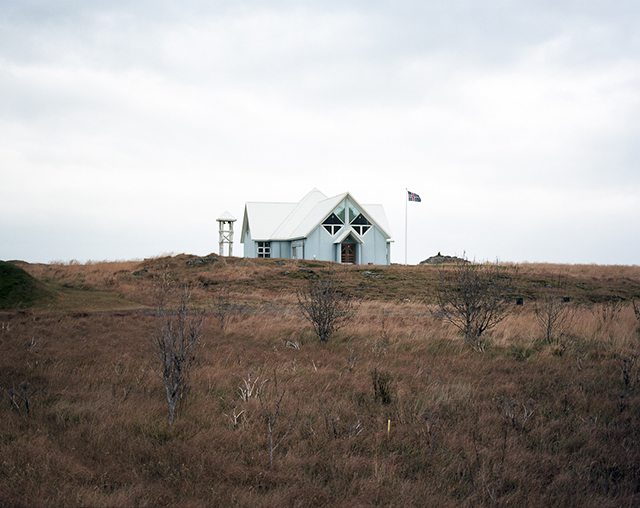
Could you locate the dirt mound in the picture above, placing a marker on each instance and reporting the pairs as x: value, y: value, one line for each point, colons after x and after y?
x: 19, y: 289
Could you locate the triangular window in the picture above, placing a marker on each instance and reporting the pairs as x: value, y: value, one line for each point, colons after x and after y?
x: 335, y: 221
x: 360, y: 224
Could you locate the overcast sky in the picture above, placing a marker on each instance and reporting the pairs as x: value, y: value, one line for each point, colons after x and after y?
x: 127, y: 128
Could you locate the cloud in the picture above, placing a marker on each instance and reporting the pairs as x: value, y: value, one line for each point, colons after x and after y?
x: 122, y: 121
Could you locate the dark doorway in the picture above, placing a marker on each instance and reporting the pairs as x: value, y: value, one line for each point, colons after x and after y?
x: 348, y: 253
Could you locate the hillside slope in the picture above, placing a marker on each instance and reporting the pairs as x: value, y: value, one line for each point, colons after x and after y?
x: 19, y: 289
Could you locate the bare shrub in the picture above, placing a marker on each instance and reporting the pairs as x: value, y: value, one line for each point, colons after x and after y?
x: 339, y: 426
x: 271, y: 404
x: 490, y: 472
x: 428, y: 426
x: 250, y: 386
x: 608, y: 313
x: 554, y: 316
x: 475, y: 297
x: 626, y: 364
x: 235, y: 416
x: 178, y: 331
x: 381, y: 347
x: 22, y: 396
x: 222, y: 307
x: 326, y: 305
x: 515, y: 414
x: 382, y: 383
x: 351, y: 360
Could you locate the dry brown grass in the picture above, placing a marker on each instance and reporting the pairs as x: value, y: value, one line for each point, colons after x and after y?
x: 97, y: 433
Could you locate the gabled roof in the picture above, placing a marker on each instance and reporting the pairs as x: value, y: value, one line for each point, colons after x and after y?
x: 226, y: 217
x: 347, y: 232
x: 290, y: 221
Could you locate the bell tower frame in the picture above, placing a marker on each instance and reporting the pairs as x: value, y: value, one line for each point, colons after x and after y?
x: 225, y: 230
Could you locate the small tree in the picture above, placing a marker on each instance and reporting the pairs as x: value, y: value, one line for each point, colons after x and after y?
x: 475, y: 297
x: 178, y: 331
x: 326, y: 305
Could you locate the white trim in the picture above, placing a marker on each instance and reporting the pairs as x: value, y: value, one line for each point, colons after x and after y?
x: 346, y: 233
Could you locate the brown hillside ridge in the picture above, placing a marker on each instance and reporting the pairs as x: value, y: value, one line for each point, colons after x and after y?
x: 394, y: 406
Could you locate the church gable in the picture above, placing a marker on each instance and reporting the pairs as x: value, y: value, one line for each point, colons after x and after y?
x: 316, y: 227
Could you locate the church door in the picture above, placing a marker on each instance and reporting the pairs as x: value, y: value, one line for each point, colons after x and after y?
x: 348, y: 253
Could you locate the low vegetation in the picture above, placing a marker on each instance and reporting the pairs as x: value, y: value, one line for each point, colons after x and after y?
x: 394, y: 409
x: 20, y: 289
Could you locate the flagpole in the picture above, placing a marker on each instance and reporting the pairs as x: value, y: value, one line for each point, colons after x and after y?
x: 406, y: 199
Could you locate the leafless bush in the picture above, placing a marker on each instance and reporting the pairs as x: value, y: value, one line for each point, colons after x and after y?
x: 554, y: 316
x: 326, y: 305
x: 626, y: 364
x: 608, y: 312
x: 235, y: 416
x: 222, y: 308
x: 351, y: 359
x: 428, y: 428
x: 490, y: 477
x: 178, y: 331
x: 23, y: 395
x: 271, y: 404
x: 251, y: 386
x: 515, y: 414
x: 475, y: 298
x: 337, y: 427
x: 382, y: 384
x: 381, y: 347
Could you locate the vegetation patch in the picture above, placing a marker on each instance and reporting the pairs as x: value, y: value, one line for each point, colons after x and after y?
x: 18, y: 289
x: 394, y: 407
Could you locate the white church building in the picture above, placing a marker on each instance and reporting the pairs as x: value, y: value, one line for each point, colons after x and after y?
x: 317, y: 227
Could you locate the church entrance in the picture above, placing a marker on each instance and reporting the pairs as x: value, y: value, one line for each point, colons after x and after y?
x: 348, y: 253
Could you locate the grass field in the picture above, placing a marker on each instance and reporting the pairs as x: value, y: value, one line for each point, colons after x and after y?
x: 526, y: 423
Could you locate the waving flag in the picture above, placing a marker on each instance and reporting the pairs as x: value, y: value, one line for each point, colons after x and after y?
x: 414, y: 197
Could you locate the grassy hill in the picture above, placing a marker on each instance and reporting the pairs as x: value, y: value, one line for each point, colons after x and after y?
x: 19, y: 289
x: 528, y: 422
x: 115, y: 285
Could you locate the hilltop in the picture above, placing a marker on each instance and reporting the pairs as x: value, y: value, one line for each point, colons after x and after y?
x: 129, y: 284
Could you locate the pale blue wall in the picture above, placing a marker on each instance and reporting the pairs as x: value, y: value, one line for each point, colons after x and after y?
x: 374, y: 248
x: 320, y: 243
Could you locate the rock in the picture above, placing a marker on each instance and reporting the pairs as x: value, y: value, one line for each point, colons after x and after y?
x: 439, y: 259
x: 202, y: 261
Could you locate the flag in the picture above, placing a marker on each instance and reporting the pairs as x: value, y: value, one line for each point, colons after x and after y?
x: 414, y: 197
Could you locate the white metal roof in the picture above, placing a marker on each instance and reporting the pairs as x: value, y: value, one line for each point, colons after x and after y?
x: 226, y: 217
x: 289, y: 221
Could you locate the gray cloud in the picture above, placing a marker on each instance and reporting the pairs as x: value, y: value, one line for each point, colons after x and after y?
x: 127, y: 120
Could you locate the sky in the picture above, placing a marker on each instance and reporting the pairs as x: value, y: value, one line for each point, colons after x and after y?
x: 128, y: 128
